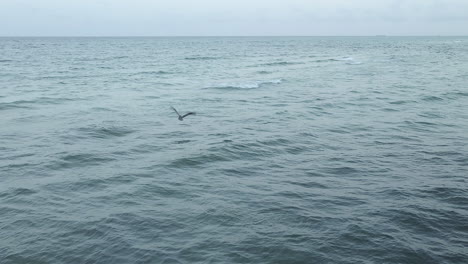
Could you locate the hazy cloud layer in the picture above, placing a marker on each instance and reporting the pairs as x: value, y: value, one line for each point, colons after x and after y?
x: 232, y: 17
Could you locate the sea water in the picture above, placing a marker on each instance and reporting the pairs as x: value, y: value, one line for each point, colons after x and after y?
x: 302, y: 150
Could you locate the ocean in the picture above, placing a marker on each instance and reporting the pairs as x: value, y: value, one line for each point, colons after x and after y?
x: 302, y: 150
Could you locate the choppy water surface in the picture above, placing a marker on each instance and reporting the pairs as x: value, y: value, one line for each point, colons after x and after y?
x: 303, y: 150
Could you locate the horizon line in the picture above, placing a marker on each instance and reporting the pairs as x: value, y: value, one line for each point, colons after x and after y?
x: 211, y: 36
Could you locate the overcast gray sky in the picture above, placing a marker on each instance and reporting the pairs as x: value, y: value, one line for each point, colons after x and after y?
x: 232, y: 17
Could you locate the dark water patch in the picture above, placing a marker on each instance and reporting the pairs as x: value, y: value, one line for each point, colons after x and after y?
x: 12, y: 210
x: 120, y: 57
x: 17, y: 166
x: 358, y: 234
x: 240, y: 171
x: 56, y: 100
x: 254, y: 249
x: 401, y: 102
x: 202, y: 58
x: 342, y: 171
x: 279, y: 63
x: 196, y: 161
x: 308, y: 135
x: 106, y: 132
x: 77, y: 68
x: 105, y: 67
x: 166, y: 84
x: 407, y: 138
x: 147, y: 148
x: 344, y: 201
x: 275, y: 142
x: 386, y: 109
x: 164, y: 191
x: 339, y: 131
x: 3, y: 61
x: 296, y: 150
x: 460, y: 93
x: 16, y: 104
x: 442, y: 154
x: 246, y: 151
x: 137, y: 222
x: 85, y: 185
x: 264, y: 72
x: 126, y: 199
x: 153, y: 73
x: 463, y: 161
x: 395, y: 193
x: 15, y: 192
x: 308, y: 184
x: 126, y: 178
x: 83, y: 158
x: 101, y: 109
x: 431, y: 115
x: 92, y: 231
x: 218, y: 217
x: 279, y: 105
x: 423, y: 123
x: 15, y: 156
x: 182, y: 141
x: 29, y: 104
x: 324, y: 60
x: 452, y: 195
x: 152, y: 97
x: 78, y: 161
x: 413, y: 221
x: 432, y: 98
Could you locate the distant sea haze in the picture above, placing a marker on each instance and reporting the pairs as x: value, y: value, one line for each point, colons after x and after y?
x: 302, y: 150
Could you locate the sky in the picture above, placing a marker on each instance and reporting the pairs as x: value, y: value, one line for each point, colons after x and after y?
x: 233, y: 17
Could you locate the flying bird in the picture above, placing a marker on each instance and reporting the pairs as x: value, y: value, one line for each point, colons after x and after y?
x: 181, y: 117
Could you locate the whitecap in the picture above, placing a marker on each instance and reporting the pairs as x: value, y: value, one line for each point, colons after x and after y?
x: 244, y: 85
x: 349, y: 60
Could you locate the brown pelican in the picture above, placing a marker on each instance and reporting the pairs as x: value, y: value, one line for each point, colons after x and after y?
x: 181, y: 117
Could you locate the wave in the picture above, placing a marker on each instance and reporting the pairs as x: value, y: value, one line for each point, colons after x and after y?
x: 6, y: 61
x: 40, y: 101
x: 245, y: 85
x: 152, y: 73
x: 15, y: 104
x: 79, y: 160
x: 280, y: 63
x: 349, y: 60
x: 324, y: 60
x: 201, y: 58
x: 106, y: 132
x: 12, y: 193
x: 455, y: 94
x: 120, y: 57
x: 431, y: 98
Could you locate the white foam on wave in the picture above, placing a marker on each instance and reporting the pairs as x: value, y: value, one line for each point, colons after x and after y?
x: 244, y: 85
x: 346, y: 59
x: 349, y: 60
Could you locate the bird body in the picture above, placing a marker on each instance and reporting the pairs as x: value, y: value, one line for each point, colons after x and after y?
x: 181, y: 117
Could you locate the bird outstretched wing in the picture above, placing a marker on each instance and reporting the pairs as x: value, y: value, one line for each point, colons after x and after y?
x: 189, y: 113
x: 175, y: 111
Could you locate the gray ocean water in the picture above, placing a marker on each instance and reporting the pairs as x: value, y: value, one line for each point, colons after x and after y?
x: 303, y: 150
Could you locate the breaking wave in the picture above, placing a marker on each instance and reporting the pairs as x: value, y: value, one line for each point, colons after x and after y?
x: 245, y: 85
